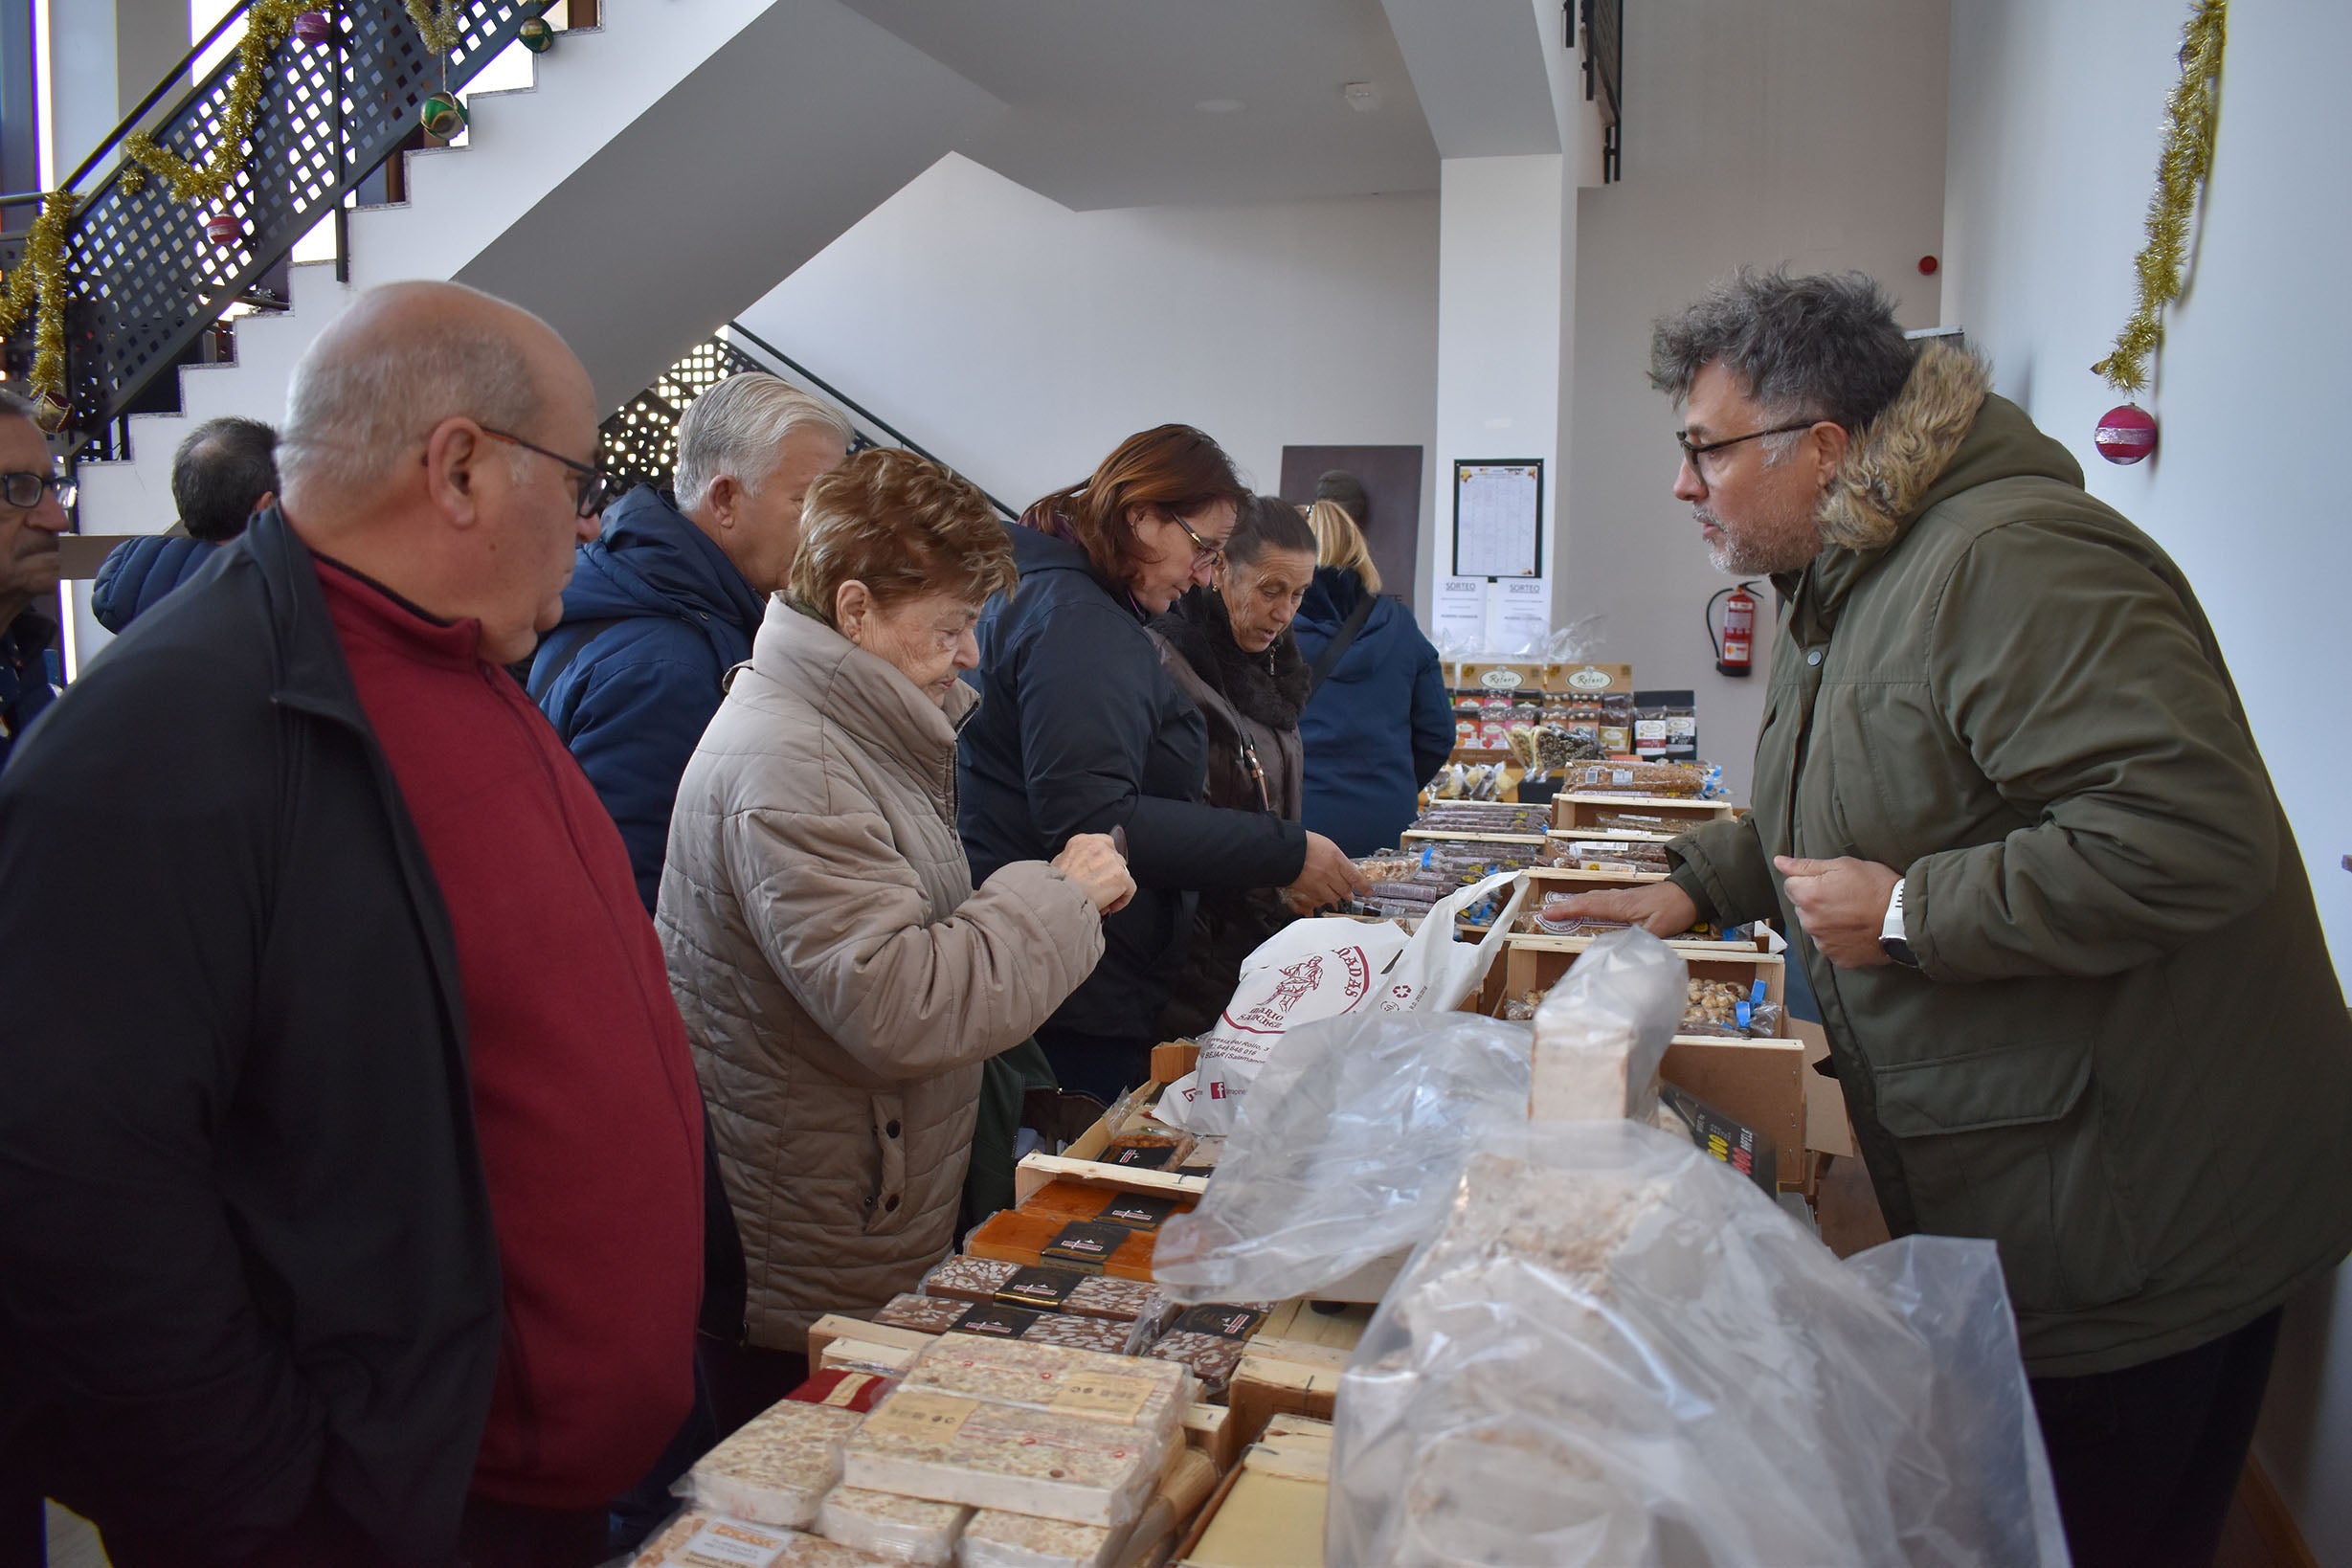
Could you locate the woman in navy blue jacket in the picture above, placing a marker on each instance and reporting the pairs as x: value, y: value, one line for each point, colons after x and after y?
x: 1082, y: 729
x: 1380, y: 727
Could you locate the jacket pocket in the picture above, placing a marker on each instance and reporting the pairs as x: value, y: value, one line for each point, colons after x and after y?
x: 886, y: 1203
x: 2006, y: 1144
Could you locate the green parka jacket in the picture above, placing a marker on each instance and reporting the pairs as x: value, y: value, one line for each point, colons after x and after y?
x: 2125, y: 1055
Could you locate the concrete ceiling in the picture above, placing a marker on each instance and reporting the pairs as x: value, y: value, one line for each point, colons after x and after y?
x: 1103, y: 95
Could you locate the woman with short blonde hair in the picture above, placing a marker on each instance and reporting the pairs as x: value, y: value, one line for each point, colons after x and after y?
x: 1340, y: 542
x: 841, y: 979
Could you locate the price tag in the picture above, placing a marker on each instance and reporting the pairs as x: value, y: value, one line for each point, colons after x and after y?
x: 1105, y: 1396
x: 927, y: 1418
x: 732, y: 1543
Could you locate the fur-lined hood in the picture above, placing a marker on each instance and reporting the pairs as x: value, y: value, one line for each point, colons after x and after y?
x: 1895, y: 460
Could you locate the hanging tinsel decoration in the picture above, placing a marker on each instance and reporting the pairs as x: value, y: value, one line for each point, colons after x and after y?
x: 38, y: 286
x: 435, y: 25
x: 267, y: 22
x: 2191, y: 117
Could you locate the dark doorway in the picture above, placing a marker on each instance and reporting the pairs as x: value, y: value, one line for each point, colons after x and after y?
x: 1392, y: 480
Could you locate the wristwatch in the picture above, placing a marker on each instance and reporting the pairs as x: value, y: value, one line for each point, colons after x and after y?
x: 1891, y: 938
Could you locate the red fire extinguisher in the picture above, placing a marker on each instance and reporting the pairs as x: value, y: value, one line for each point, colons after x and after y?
x: 1734, y: 651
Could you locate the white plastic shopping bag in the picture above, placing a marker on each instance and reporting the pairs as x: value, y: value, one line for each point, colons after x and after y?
x: 1328, y: 968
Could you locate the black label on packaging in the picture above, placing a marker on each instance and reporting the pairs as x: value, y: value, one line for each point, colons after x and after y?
x: 1211, y: 1169
x: 1087, y: 1242
x: 1143, y: 1156
x: 998, y: 1322
x: 1221, y: 1322
x: 1138, y: 1212
x: 1044, y: 1288
x: 1741, y: 1147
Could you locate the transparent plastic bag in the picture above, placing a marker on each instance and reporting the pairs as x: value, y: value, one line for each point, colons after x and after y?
x: 1346, y: 1150
x: 1618, y: 1352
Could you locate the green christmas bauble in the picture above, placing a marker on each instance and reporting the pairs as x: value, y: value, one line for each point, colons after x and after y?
x: 536, y: 35
x: 444, y: 115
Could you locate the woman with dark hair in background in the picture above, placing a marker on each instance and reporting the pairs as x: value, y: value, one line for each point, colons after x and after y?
x: 1379, y: 727
x: 1229, y: 647
x: 1082, y: 729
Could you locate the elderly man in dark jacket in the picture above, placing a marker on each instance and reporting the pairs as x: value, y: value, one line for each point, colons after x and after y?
x: 2009, y: 803
x: 223, y: 476
x: 667, y: 598
x: 351, y: 1169
x: 32, y: 505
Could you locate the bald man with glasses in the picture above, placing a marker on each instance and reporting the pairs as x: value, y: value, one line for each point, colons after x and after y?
x: 350, y: 1151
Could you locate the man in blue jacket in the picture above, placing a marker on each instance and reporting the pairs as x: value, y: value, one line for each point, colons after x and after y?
x: 222, y: 475
x: 665, y: 601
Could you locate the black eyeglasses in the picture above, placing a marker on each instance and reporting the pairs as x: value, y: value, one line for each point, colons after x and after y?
x: 23, y: 490
x: 1201, y: 549
x: 594, y: 486
x: 1682, y: 439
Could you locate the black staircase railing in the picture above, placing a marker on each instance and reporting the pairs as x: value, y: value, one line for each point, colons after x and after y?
x: 1604, y: 78
x: 640, y: 442
x: 148, y: 275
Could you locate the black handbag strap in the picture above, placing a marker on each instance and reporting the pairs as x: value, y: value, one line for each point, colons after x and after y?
x: 1328, y: 659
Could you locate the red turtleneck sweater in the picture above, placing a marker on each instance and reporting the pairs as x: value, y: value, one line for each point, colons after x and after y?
x: 585, y: 1103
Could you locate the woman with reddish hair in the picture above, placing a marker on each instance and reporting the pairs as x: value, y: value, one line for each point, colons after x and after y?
x: 1082, y: 729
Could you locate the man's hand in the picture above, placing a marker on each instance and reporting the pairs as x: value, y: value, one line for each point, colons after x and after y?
x: 1092, y: 861
x: 1841, y: 904
x: 1327, y: 877
x: 1660, y: 909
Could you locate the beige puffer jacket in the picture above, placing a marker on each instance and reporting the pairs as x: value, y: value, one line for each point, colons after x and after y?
x: 840, y: 980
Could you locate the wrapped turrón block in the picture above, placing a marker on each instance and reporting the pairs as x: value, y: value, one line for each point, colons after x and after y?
x: 779, y: 1467
x: 937, y: 1314
x: 996, y: 1539
x: 900, y: 1528
x: 1148, y: 1396
x: 1046, y: 1288
x: 950, y: 1448
x: 700, y: 1539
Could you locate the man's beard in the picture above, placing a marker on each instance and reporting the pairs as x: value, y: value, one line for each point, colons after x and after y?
x: 1764, y: 549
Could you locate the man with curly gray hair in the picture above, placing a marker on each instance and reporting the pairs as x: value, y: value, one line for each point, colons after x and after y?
x: 2009, y: 809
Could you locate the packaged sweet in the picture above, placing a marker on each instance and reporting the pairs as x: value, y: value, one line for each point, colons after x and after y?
x: 703, y: 1537
x: 1119, y: 1389
x: 957, y: 1449
x: 892, y: 1528
x: 1045, y: 1288
x: 1722, y: 1009
x: 1210, y: 1340
x: 1090, y: 1245
x: 996, y: 1539
x: 1145, y: 1150
x: 938, y: 1315
x: 1668, y: 780
x: 779, y: 1467
x: 845, y: 1390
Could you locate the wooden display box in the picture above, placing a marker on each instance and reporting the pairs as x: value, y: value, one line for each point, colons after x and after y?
x: 1513, y: 678
x: 1579, y: 813
x: 1532, y: 962
x: 1077, y: 1163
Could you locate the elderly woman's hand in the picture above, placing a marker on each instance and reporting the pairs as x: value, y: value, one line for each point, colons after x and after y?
x: 1094, y: 863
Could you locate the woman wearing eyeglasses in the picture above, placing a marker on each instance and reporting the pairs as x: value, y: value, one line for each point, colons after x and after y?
x: 1082, y: 729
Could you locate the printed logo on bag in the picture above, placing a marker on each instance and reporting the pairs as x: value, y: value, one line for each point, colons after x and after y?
x: 1296, y: 983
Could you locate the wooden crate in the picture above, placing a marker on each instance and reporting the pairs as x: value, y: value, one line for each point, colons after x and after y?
x: 1077, y: 1162
x: 1576, y: 813
x: 1757, y: 1082
x: 1536, y: 961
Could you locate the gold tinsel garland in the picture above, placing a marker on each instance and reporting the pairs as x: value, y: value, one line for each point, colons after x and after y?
x: 39, y: 283
x: 2191, y: 117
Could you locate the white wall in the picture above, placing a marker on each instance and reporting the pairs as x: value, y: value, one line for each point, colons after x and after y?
x: 2057, y: 109
x: 1021, y: 341
x: 1809, y: 132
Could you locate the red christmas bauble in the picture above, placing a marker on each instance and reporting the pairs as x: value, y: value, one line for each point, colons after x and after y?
x: 314, y: 27
x: 2126, y: 434
x: 223, y: 229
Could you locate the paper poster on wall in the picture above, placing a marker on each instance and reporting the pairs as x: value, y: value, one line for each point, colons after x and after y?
x: 1498, y: 518
x: 1518, y: 614
x: 1458, y: 614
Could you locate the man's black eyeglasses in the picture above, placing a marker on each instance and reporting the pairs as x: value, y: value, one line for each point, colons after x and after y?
x: 1682, y: 439
x: 23, y: 490
x: 592, y: 486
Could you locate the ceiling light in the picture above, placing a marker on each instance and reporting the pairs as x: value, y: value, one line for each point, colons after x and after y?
x: 1219, y: 105
x: 1362, y: 97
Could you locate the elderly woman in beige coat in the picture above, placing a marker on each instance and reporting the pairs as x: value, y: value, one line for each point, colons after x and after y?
x: 841, y: 979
